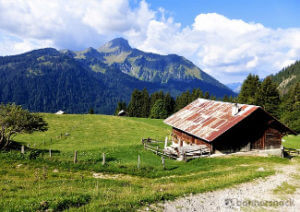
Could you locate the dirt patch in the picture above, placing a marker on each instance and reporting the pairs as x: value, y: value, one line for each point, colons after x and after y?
x: 256, y: 195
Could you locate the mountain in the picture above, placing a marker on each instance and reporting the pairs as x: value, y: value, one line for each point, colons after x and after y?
x: 236, y: 86
x: 287, y: 77
x: 47, y: 80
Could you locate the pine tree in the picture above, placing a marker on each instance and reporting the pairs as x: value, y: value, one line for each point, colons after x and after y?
x: 206, y: 95
x: 145, y: 104
x: 159, y: 111
x: 155, y: 96
x: 169, y: 104
x: 197, y: 93
x: 183, y: 100
x: 135, y: 105
x: 268, y: 96
x: 249, y: 89
x: 225, y: 98
x: 290, y: 108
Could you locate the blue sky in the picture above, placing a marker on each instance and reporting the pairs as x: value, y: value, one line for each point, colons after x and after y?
x: 227, y: 39
x: 271, y: 13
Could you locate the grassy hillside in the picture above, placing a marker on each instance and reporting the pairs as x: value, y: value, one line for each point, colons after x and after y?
x: 29, y: 184
x: 287, y: 77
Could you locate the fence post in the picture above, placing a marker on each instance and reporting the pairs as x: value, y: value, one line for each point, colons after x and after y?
x: 166, y: 141
x: 22, y: 149
x: 139, y: 162
x: 163, y: 162
x: 103, y: 158
x: 75, y: 156
x: 184, y: 157
x: 157, y: 150
x: 50, y: 153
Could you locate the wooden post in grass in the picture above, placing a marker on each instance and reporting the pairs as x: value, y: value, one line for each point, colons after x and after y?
x: 50, y: 153
x: 75, y: 156
x: 139, y: 162
x: 163, y: 162
x: 22, y: 149
x: 157, y: 150
x: 166, y: 142
x: 103, y: 158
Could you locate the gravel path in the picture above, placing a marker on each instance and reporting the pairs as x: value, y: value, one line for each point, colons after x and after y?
x: 244, y: 197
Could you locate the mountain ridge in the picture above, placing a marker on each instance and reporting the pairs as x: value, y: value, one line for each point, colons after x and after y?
x: 47, y: 80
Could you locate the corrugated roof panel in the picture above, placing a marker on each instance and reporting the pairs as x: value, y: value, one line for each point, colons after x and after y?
x: 208, y: 119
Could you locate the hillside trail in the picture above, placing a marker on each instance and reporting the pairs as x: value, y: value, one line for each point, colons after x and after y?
x: 257, y: 195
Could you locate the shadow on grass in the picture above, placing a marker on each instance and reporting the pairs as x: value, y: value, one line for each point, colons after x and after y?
x: 17, y: 146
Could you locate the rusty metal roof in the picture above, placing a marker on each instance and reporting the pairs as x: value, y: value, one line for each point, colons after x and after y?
x: 208, y: 119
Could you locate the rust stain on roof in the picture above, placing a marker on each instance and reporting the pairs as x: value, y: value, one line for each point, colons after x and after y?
x: 208, y: 119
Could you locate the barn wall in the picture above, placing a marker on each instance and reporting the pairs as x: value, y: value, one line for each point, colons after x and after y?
x: 272, y: 139
x: 187, y: 138
x: 258, y: 143
x: 247, y: 135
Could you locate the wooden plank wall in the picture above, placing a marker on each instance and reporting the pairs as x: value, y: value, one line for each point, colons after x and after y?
x: 273, y: 138
x: 189, y: 139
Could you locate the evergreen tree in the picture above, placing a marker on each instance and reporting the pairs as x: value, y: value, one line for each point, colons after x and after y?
x: 226, y: 99
x: 145, y: 104
x: 206, y: 95
x: 197, y: 93
x: 136, y: 104
x: 159, y: 111
x: 169, y: 103
x: 291, y: 108
x: 155, y: 96
x: 268, y: 96
x: 213, y: 97
x: 183, y: 100
x: 249, y: 89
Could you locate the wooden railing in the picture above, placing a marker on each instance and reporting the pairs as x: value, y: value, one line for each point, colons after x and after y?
x: 291, y: 151
x: 152, y: 145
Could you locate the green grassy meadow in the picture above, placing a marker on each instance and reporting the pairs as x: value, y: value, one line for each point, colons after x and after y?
x: 292, y: 141
x: 32, y: 181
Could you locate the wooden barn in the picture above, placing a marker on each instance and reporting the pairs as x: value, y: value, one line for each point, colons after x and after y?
x: 226, y: 127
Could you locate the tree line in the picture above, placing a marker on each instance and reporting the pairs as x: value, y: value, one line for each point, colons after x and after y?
x: 160, y: 105
x: 265, y: 94
x: 254, y: 91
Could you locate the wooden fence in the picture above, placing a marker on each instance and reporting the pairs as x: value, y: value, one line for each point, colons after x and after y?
x: 149, y: 145
x: 153, y: 146
x: 291, y: 151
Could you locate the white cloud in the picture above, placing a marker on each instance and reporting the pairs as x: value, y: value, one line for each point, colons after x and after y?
x: 226, y: 48
x: 73, y: 24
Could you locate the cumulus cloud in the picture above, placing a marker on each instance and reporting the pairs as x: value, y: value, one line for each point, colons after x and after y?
x: 228, y: 49
x: 72, y: 24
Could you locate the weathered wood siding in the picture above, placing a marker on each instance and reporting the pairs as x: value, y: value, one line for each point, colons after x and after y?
x: 272, y: 139
x: 189, y: 139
